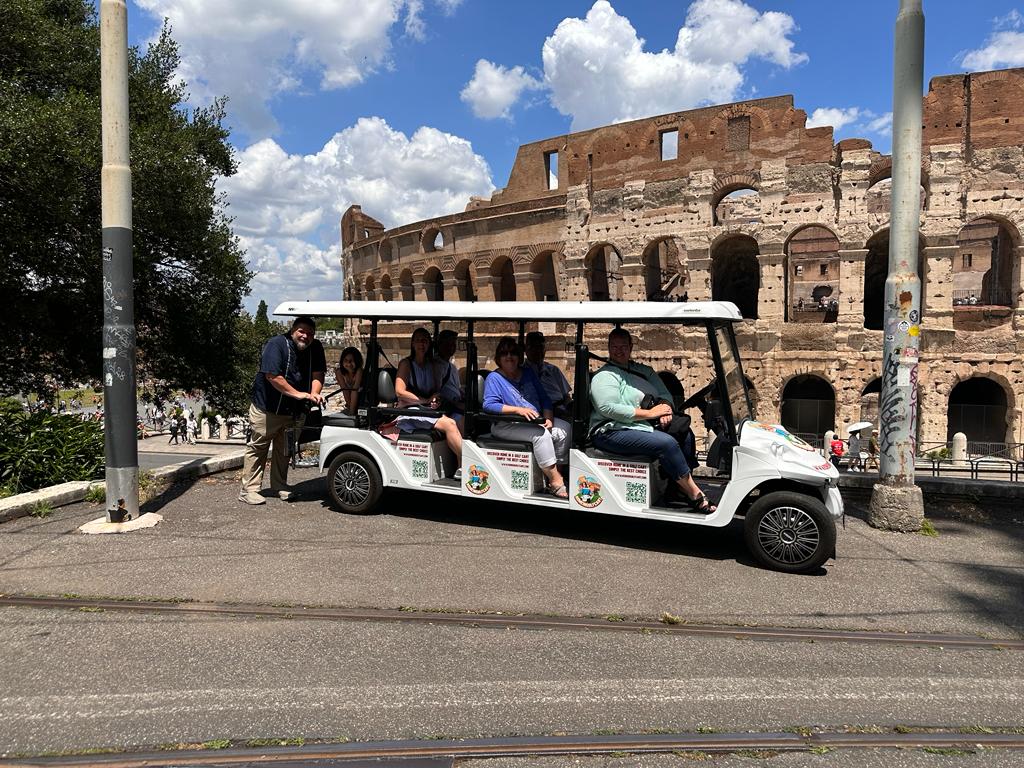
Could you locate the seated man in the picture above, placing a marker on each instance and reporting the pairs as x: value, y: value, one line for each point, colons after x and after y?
x: 551, y: 377
x: 626, y: 399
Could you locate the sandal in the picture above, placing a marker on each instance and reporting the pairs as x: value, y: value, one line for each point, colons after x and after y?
x: 699, y: 504
x: 558, y: 491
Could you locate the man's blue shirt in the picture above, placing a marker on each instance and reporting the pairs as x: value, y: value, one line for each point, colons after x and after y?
x: 281, y: 357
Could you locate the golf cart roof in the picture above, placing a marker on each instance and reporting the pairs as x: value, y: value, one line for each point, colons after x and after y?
x: 692, y: 312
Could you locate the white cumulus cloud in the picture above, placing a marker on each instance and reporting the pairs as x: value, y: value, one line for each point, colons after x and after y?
x: 254, y: 50
x: 494, y: 89
x: 287, y: 207
x: 597, y: 70
x: 1003, y: 48
x: 834, y: 116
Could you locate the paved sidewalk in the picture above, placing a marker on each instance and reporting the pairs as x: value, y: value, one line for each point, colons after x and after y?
x: 440, y: 553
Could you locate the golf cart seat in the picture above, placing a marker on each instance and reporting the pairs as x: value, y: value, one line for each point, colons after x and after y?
x: 595, y: 453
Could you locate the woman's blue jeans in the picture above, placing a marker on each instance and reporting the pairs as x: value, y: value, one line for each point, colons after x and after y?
x: 655, y: 444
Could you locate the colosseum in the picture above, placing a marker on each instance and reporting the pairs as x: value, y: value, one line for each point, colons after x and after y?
x: 743, y: 202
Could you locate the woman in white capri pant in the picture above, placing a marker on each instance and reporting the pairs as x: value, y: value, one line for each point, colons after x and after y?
x: 513, y: 389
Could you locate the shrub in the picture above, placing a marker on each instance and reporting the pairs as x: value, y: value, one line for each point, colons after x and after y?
x: 41, y: 449
x: 939, y: 453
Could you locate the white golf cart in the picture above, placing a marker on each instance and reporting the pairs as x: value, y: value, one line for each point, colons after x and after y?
x: 786, y: 491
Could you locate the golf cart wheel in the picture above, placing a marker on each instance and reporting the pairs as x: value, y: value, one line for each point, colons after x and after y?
x: 790, y: 532
x: 354, y: 482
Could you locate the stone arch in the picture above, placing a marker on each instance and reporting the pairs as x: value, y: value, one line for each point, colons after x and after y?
x: 405, y: 285
x: 736, y: 199
x: 878, y: 195
x: 870, y: 397
x: 384, y: 250
x: 735, y: 273
x: 603, y: 263
x: 465, y: 277
x: 431, y: 239
x: 811, y: 285
x: 984, y: 271
x: 876, y: 270
x: 545, y: 283
x: 808, y: 406
x: 503, y: 278
x: 982, y: 407
x: 371, y: 288
x: 385, y: 288
x: 433, y: 284
x: 664, y: 280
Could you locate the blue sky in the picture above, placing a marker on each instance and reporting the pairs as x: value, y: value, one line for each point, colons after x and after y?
x: 407, y: 107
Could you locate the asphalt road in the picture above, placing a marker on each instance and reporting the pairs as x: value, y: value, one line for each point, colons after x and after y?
x: 75, y: 679
x: 102, y: 679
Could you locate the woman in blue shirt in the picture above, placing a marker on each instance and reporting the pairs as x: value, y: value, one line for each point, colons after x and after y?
x: 517, y: 390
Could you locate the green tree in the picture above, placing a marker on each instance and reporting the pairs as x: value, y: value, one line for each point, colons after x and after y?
x: 190, y: 275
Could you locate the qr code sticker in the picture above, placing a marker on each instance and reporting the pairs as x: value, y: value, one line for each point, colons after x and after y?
x: 520, y: 480
x: 636, y: 493
x: 419, y: 468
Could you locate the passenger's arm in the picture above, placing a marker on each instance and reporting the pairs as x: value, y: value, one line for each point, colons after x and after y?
x: 280, y: 383
x: 406, y: 397
x: 604, y: 393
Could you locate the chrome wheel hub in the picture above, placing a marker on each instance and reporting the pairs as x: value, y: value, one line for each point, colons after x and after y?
x: 789, y: 535
x: 352, y: 484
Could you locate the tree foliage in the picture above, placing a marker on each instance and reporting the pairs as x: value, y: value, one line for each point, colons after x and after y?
x: 190, y: 275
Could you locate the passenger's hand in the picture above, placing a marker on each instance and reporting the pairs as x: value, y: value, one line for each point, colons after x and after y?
x: 316, y: 397
x: 527, y: 413
x: 547, y: 424
x: 661, y: 409
x: 666, y: 420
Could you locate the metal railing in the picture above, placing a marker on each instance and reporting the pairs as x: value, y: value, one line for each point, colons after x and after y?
x: 985, y: 297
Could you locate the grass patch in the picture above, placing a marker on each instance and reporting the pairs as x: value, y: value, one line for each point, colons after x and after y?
x: 928, y: 529
x: 614, y: 617
x: 668, y: 618
x: 820, y: 750
x: 41, y: 509
x: 96, y: 494
x: 295, y: 742
x: 947, y: 751
x: 216, y: 744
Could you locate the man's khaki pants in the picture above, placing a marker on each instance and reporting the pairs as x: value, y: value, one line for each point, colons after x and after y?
x: 267, y: 429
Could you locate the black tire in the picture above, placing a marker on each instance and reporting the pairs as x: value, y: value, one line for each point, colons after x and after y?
x: 354, y: 483
x: 790, y: 532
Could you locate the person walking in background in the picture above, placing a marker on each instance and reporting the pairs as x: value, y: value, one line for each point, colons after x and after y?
x: 174, y: 432
x: 291, y: 374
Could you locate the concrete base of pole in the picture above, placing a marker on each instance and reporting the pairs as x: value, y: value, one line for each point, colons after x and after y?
x: 102, y: 525
x: 897, y: 508
x: 122, y: 493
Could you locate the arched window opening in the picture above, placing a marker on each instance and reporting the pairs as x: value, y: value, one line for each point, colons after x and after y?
x: 878, y: 197
x: 978, y: 407
x: 876, y: 269
x: 405, y: 286
x: 385, y: 288
x: 663, y: 279
x: 812, y: 276
x: 433, y: 284
x: 809, y: 408
x: 432, y: 239
x: 464, y: 279
x: 869, y: 399
x: 384, y: 251
x: 740, y: 206
x: 507, y: 290
x: 603, y: 265
x: 736, y: 275
x: 544, y: 283
x: 982, y: 275
x: 371, y: 288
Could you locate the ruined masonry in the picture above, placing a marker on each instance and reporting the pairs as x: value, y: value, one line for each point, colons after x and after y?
x: 743, y: 202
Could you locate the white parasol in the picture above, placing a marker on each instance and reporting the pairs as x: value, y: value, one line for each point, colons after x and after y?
x: 858, y: 426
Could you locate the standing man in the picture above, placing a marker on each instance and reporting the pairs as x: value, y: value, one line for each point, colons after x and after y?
x: 551, y: 377
x: 291, y: 374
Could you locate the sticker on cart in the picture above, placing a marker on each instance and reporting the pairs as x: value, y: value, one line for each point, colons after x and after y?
x: 588, y: 492
x: 477, y: 480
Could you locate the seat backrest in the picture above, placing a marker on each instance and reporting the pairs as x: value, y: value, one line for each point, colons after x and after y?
x: 481, y: 376
x: 386, y: 386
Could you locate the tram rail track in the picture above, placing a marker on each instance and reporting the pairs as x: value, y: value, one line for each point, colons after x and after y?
x: 672, y: 626
x: 445, y: 753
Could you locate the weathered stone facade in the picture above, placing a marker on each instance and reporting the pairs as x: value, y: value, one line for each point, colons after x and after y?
x: 647, y: 210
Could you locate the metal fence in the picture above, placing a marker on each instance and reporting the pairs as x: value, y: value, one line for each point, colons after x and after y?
x: 986, y: 297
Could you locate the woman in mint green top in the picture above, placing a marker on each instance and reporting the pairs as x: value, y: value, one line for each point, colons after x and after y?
x: 620, y: 425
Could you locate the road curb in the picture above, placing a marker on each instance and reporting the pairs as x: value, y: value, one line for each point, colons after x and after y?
x: 69, y: 493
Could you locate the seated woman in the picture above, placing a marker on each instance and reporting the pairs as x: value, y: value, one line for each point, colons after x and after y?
x: 349, y: 375
x: 418, y: 384
x: 517, y: 390
x: 620, y: 425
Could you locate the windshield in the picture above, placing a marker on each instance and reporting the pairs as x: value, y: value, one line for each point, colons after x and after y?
x: 735, y: 383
